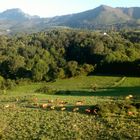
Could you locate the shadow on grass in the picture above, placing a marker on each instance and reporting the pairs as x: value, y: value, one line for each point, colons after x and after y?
x: 105, y: 109
x: 114, y: 91
x: 67, y: 108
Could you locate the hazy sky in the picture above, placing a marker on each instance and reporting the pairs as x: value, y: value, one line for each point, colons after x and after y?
x: 48, y: 8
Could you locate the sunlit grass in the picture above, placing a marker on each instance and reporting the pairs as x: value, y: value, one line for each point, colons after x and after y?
x: 24, y: 120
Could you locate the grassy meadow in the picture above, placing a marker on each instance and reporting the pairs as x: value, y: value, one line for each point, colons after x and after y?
x: 80, y: 108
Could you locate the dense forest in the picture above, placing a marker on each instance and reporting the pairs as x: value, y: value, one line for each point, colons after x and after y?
x: 65, y: 53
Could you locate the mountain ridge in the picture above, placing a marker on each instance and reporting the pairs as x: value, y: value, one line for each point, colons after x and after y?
x: 102, y: 17
x: 15, y: 14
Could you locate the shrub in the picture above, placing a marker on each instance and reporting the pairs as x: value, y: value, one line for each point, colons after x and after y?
x: 113, y: 107
x: 9, y: 84
x: 6, y: 84
x: 46, y: 90
x: 2, y: 82
x: 23, y: 81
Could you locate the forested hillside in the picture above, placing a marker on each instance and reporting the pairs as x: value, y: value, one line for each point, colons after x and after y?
x: 66, y: 53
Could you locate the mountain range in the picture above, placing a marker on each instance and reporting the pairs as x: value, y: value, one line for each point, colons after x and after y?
x: 102, y: 17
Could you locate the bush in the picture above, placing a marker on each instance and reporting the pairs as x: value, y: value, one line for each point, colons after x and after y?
x: 113, y: 107
x: 6, y: 84
x: 9, y: 84
x: 46, y: 90
x: 23, y: 81
x: 2, y: 82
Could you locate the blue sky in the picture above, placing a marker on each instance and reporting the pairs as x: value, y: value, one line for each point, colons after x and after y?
x: 49, y: 8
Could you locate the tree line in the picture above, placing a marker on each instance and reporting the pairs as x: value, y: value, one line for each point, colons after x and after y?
x: 64, y: 53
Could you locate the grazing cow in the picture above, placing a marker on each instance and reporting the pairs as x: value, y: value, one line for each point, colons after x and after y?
x: 62, y: 102
x: 130, y: 113
x: 61, y: 105
x: 10, y: 106
x: 129, y: 97
x: 7, y: 106
x: 79, y: 103
x: 88, y: 110
x: 75, y: 109
x: 63, y: 108
x: 50, y: 101
x: 44, y: 106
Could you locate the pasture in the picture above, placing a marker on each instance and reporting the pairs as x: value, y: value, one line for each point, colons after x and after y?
x: 80, y: 108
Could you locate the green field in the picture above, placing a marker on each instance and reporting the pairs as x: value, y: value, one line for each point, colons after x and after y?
x: 22, y: 115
